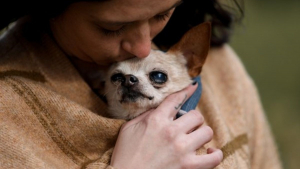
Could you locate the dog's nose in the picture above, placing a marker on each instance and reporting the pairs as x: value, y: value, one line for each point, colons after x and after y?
x: 130, y: 80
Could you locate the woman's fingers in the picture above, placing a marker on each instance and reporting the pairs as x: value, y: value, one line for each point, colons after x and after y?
x: 208, y: 161
x: 189, y: 121
x: 199, y: 137
x: 172, y: 104
x: 196, y: 139
x: 211, y: 150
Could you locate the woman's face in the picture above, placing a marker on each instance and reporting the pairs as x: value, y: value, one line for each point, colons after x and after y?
x: 112, y: 30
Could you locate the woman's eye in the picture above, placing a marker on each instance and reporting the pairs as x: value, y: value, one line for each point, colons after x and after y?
x: 158, y: 77
x: 162, y: 17
x: 108, y: 31
x: 117, y: 32
x: 117, y: 77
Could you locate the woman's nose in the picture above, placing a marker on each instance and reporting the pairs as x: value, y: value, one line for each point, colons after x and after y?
x: 138, y: 41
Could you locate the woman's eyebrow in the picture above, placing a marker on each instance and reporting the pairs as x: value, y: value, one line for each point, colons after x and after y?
x: 123, y: 23
x: 173, y: 6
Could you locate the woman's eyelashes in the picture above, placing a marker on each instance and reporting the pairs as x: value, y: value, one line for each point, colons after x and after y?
x: 117, y: 32
x: 107, y: 31
x: 163, y: 17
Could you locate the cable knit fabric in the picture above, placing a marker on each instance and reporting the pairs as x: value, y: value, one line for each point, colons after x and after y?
x: 50, y: 118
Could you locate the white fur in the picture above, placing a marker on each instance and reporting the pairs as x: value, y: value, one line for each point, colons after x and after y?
x: 173, y: 65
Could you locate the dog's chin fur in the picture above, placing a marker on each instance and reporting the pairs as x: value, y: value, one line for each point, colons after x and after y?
x: 172, y: 64
x: 129, y: 110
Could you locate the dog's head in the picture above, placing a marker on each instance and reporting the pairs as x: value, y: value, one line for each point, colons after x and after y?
x: 137, y: 85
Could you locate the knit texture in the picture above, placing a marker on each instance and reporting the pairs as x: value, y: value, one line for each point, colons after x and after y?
x: 50, y: 117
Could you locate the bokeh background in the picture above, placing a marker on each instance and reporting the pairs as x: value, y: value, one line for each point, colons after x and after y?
x: 268, y: 43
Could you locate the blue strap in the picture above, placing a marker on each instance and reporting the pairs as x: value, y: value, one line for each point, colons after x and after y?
x: 193, y: 101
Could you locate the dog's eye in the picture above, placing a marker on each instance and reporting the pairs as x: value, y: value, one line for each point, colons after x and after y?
x: 158, y: 77
x: 117, y: 77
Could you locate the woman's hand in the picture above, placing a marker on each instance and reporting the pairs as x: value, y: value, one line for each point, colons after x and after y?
x: 154, y: 140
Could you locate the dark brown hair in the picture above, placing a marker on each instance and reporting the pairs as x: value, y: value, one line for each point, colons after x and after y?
x: 187, y: 15
x: 194, y: 12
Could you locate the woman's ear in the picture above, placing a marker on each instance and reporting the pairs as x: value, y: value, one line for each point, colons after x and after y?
x: 194, y: 45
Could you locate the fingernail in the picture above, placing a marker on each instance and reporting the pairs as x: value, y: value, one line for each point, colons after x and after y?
x: 194, y: 83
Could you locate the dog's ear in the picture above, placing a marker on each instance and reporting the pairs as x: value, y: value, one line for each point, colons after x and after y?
x: 194, y: 45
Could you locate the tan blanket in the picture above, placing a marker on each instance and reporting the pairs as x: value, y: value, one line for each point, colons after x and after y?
x: 50, y: 118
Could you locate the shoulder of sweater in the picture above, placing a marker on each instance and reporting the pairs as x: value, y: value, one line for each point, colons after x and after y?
x: 224, y: 55
x: 223, y: 59
x: 224, y: 67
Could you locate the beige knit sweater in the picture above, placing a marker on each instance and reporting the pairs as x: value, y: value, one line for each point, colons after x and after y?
x: 50, y: 118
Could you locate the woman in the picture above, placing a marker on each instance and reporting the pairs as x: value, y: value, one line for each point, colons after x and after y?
x: 51, y: 118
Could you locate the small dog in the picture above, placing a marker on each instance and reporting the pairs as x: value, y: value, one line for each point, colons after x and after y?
x: 136, y: 85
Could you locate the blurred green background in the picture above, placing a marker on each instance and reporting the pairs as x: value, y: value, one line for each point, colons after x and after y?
x: 268, y: 43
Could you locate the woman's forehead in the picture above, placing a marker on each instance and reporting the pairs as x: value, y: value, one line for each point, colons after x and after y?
x: 130, y: 10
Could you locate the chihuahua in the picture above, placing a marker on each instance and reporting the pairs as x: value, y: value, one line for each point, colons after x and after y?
x: 136, y: 85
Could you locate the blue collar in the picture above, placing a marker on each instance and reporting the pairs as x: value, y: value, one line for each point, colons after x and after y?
x: 193, y: 101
